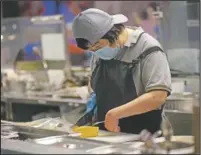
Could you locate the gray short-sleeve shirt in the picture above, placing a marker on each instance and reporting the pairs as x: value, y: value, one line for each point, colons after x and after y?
x: 152, y: 72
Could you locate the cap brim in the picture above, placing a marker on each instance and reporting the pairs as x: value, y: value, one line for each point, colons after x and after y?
x: 119, y: 18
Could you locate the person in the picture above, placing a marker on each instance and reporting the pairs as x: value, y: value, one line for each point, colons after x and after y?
x: 130, y: 73
x: 32, y: 51
x: 147, y: 20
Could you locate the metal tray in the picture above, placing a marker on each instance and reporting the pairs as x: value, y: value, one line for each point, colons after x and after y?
x: 28, y: 132
x: 115, y: 138
x: 113, y: 149
x: 67, y: 142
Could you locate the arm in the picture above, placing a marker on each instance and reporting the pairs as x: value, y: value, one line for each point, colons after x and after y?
x: 157, y: 82
x: 145, y: 103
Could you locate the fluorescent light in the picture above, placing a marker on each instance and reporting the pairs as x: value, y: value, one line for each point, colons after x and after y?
x: 1, y: 37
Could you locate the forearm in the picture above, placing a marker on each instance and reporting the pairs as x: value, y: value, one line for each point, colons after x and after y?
x: 145, y: 103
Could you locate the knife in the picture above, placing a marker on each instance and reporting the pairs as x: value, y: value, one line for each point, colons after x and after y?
x: 97, y: 123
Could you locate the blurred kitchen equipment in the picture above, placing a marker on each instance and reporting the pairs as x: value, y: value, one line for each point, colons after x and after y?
x: 179, y: 109
x: 189, y: 57
x: 41, y: 30
x: 167, y: 133
x: 16, y: 86
x: 166, y: 144
x: 70, y: 113
x: 177, y: 147
x: 86, y: 118
x: 29, y: 65
x: 185, y: 83
x: 196, y: 126
x: 148, y: 139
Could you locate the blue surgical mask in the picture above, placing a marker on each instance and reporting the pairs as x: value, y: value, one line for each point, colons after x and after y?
x: 107, y: 53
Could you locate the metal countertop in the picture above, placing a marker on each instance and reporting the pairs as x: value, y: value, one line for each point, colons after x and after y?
x: 39, y: 100
x: 25, y: 147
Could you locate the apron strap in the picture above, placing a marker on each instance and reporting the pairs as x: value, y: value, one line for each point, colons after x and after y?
x: 146, y: 53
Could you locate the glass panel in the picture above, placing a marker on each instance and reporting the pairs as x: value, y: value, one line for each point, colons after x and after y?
x: 21, y: 38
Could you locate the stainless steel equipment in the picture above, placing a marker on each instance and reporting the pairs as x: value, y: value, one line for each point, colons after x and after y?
x: 179, y: 109
x: 196, y: 127
x: 114, y: 149
x: 16, y: 86
x: 181, y: 102
x: 68, y: 142
x: 122, y: 143
x: 26, y: 147
x: 181, y: 146
x: 167, y: 134
x: 165, y: 144
x: 33, y: 30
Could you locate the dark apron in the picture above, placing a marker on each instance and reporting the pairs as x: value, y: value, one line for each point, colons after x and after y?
x: 113, y: 83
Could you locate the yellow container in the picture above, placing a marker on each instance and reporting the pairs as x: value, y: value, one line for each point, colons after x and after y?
x: 29, y: 65
x: 87, y: 131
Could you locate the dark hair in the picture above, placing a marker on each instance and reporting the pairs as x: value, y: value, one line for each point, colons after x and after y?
x: 112, y: 35
x: 82, y: 43
x: 153, y: 5
x: 144, y: 15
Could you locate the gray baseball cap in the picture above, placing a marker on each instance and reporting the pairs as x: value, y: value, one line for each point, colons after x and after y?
x: 92, y: 24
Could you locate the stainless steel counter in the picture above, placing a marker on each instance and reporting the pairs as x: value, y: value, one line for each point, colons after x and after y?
x: 32, y: 138
x: 174, y: 102
x: 11, y: 99
x: 57, y: 142
x: 25, y: 147
x: 179, y: 110
x: 178, y: 107
x: 49, y: 127
x: 17, y: 98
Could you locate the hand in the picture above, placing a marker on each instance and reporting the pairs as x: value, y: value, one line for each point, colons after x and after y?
x: 112, y: 122
x: 36, y: 51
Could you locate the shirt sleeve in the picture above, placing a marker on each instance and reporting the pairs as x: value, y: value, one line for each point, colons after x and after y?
x: 156, y: 72
x: 93, y: 62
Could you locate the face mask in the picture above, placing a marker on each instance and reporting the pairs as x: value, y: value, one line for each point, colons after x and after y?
x: 107, y: 53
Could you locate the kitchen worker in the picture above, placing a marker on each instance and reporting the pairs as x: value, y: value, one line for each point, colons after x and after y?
x: 130, y: 73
